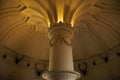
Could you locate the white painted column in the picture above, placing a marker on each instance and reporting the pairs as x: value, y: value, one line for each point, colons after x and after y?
x: 61, y: 60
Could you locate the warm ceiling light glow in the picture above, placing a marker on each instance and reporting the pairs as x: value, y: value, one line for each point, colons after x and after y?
x: 60, y: 15
x: 44, y: 14
x: 48, y: 23
x: 60, y: 9
x: 72, y: 22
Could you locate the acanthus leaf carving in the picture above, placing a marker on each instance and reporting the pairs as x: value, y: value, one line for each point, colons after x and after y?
x: 61, y: 34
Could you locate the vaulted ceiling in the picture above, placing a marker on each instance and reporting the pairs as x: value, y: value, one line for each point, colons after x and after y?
x: 24, y: 28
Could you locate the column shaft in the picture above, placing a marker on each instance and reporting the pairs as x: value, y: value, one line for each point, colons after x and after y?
x: 61, y: 60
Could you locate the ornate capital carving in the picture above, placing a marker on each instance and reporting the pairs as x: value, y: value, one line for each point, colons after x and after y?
x: 61, y: 33
x: 61, y: 75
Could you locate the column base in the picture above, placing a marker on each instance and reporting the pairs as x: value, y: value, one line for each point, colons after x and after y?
x: 61, y: 75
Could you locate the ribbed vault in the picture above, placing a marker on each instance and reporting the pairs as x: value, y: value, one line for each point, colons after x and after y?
x: 24, y: 27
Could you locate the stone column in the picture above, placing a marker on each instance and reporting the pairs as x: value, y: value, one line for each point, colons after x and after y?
x: 61, y: 60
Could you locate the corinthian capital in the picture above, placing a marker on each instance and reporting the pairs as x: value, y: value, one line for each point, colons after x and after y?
x: 60, y: 33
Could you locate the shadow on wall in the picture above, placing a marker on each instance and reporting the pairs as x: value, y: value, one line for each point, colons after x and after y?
x: 6, y: 78
x: 115, y: 77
